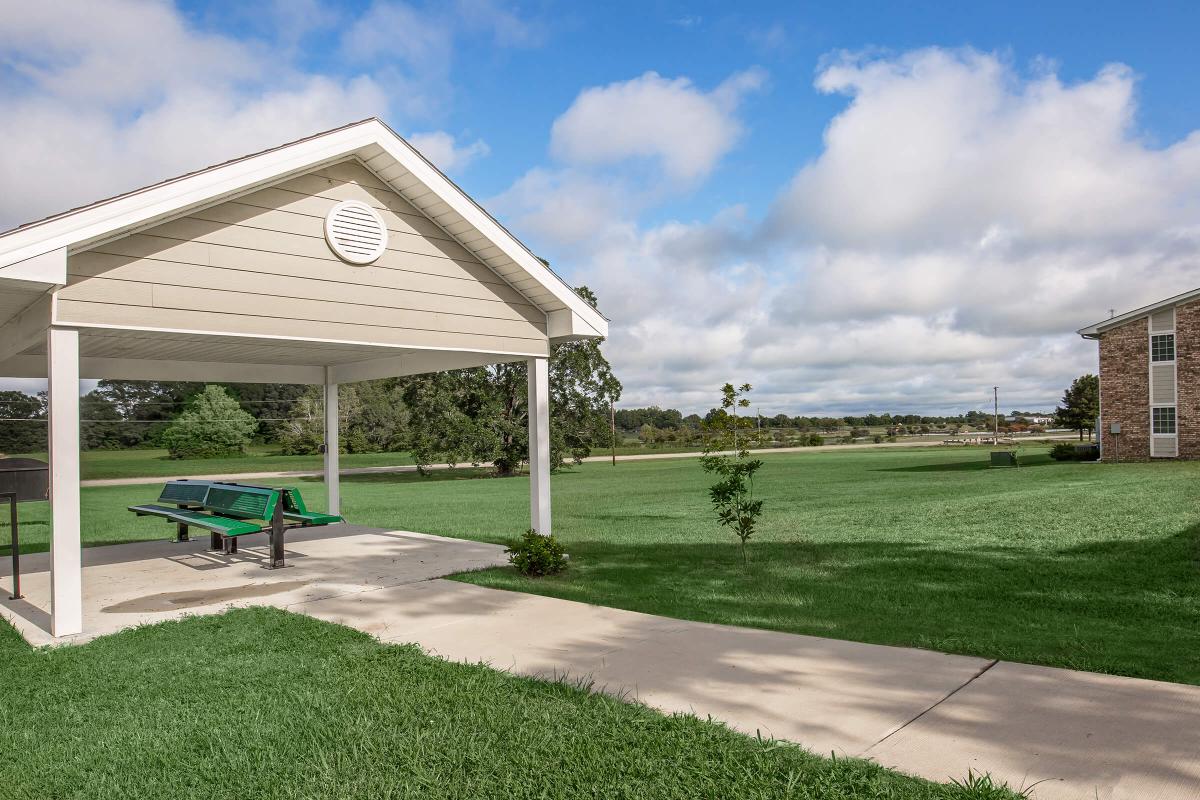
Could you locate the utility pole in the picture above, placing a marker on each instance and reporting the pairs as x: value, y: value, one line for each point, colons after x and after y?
x: 612, y: 421
x: 996, y: 413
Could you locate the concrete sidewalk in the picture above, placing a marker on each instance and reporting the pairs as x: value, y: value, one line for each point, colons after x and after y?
x: 1076, y: 735
x: 925, y: 713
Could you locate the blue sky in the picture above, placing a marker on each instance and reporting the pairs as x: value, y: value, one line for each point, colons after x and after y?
x: 511, y: 95
x: 855, y: 206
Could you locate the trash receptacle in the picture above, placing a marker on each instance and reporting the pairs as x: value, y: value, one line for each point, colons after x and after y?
x: 1004, y: 458
x: 21, y: 480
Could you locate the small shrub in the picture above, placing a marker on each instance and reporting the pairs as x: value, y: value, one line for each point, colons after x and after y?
x: 214, y: 426
x: 536, y: 555
x: 1063, y: 451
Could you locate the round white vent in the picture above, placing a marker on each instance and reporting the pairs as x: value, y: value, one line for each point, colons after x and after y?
x: 356, y: 232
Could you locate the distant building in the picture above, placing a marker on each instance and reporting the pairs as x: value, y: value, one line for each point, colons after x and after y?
x: 1031, y: 419
x: 1150, y: 381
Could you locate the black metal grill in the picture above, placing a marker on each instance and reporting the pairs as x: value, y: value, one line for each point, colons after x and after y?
x: 21, y: 480
x: 27, y: 478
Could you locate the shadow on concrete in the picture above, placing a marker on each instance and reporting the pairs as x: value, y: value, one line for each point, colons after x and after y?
x: 1125, y: 607
x: 829, y: 695
x: 1081, y: 732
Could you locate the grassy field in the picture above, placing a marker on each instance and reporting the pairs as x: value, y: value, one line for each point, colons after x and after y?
x: 1087, y: 566
x: 97, y: 464
x: 265, y: 704
x: 151, y: 463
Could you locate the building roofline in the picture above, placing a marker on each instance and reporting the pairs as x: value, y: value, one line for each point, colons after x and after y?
x: 120, y: 214
x: 1094, y: 331
x: 176, y: 179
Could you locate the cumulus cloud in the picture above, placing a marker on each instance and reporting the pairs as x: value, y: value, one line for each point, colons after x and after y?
x: 670, y: 121
x: 444, y: 150
x: 603, y: 144
x: 942, y: 147
x: 110, y: 95
x: 962, y: 219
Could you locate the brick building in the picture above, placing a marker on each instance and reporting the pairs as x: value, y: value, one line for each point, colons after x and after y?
x: 1150, y: 381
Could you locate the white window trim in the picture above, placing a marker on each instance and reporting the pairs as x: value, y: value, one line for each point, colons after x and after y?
x: 1151, y: 364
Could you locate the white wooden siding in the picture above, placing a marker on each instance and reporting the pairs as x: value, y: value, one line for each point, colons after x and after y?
x: 260, y: 265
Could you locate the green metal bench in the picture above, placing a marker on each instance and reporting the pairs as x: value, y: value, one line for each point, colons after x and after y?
x: 294, y: 509
x: 229, y: 510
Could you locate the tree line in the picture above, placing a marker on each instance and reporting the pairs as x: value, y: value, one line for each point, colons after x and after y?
x: 633, y: 420
x: 476, y: 415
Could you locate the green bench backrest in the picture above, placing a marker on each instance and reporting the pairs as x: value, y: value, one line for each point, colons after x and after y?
x: 184, y: 492
x: 292, y: 501
x: 241, y: 502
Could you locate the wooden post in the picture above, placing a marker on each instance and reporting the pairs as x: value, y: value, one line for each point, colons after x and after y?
x: 333, y: 489
x: 612, y: 421
x: 539, y: 445
x: 66, y: 566
x: 996, y: 413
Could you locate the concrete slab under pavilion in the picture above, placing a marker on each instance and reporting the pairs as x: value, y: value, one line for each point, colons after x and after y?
x: 342, y: 257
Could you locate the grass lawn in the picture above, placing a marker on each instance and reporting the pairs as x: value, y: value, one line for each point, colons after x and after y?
x: 259, y: 703
x: 1086, y: 566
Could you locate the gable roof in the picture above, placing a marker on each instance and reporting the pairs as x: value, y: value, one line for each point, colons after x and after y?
x: 27, y: 251
x: 1093, y: 331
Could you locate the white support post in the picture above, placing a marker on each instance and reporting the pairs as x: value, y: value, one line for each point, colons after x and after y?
x: 332, y: 476
x: 539, y: 445
x: 66, y: 567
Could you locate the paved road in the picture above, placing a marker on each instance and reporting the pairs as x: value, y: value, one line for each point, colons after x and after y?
x: 411, y: 468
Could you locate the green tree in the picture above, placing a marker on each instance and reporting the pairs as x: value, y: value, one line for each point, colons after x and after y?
x: 727, y: 455
x: 269, y: 403
x: 1080, y: 405
x: 371, y: 419
x: 304, y: 431
x: 481, y: 416
x: 22, y: 422
x: 100, y: 424
x: 214, y: 425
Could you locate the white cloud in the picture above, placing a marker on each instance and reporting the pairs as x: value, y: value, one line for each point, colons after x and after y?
x: 398, y: 31
x: 444, y: 150
x: 961, y: 221
x: 110, y: 95
x: 603, y: 141
x: 941, y: 147
x: 670, y: 121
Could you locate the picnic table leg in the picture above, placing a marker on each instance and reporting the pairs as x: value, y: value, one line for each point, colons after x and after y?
x: 181, y: 532
x: 214, y: 541
x: 229, y: 545
x: 277, y: 529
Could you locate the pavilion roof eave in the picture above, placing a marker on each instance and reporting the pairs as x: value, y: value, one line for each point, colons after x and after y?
x: 380, y: 149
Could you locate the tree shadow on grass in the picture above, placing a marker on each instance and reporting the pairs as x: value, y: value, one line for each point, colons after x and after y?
x: 1128, y: 607
x: 412, y: 476
x: 983, y: 464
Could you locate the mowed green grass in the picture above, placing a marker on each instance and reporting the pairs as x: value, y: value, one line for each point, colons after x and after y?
x: 1086, y: 566
x: 151, y: 463
x: 259, y: 703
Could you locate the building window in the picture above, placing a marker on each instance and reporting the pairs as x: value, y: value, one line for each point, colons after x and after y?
x: 1163, y: 419
x: 1162, y: 347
